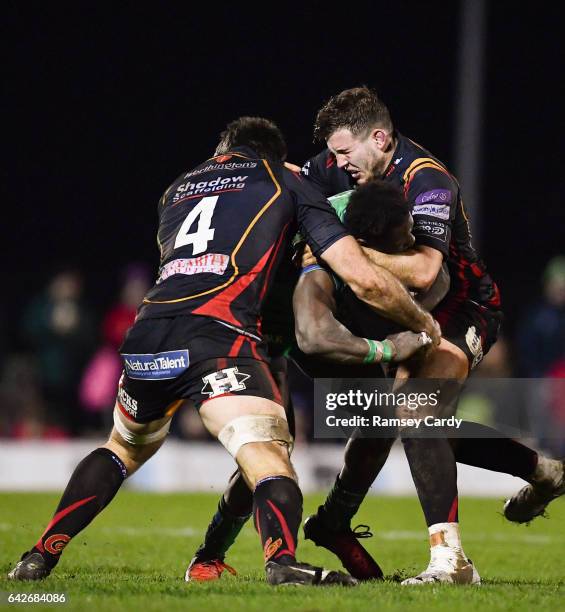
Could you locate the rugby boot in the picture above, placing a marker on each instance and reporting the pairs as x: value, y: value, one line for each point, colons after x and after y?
x: 447, y: 565
x: 346, y: 546
x: 200, y: 570
x: 32, y: 566
x: 305, y: 574
x: 532, y: 500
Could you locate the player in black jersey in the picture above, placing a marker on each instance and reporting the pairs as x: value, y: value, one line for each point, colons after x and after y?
x: 197, y: 337
x: 362, y: 143
x: 317, y: 306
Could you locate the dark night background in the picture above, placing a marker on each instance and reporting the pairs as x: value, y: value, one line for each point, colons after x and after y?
x: 108, y: 102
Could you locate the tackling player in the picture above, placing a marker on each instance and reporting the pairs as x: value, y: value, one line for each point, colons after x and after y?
x: 222, y: 226
x: 363, y: 143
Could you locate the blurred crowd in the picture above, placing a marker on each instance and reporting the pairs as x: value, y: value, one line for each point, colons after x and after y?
x: 58, y: 378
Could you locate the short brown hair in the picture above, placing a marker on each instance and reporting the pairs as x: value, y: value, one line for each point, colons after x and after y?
x: 257, y: 133
x: 358, y: 109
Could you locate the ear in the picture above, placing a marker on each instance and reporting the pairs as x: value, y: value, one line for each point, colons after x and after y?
x: 380, y: 137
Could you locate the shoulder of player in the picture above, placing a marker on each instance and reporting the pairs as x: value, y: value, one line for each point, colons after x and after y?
x: 427, y: 175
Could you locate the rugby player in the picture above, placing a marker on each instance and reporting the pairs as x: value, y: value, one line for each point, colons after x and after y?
x: 363, y: 143
x: 197, y: 337
x: 387, y: 228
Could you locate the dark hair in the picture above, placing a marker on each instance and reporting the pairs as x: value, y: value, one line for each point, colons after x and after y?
x: 358, y: 109
x: 261, y: 135
x: 374, y: 210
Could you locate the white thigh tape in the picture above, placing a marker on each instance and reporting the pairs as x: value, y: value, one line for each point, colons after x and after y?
x: 254, y: 428
x: 139, y: 439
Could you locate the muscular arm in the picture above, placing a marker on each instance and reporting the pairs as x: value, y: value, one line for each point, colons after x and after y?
x: 317, y: 330
x: 377, y: 286
x: 417, y: 268
x: 319, y: 333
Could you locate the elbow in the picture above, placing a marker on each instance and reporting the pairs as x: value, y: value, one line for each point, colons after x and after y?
x: 310, y: 341
x: 306, y: 342
x: 424, y: 279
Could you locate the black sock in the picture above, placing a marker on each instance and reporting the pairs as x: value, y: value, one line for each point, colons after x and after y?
x: 487, y: 449
x: 92, y: 486
x: 364, y: 459
x: 277, y: 509
x: 221, y: 533
x: 434, y: 472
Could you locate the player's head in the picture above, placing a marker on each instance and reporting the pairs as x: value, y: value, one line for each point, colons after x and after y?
x: 357, y: 128
x: 378, y: 216
x: 261, y: 135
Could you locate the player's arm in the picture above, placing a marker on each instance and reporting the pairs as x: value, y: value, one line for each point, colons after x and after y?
x: 417, y: 268
x: 372, y: 284
x: 434, y: 295
x: 319, y: 333
x: 433, y: 194
x: 377, y: 287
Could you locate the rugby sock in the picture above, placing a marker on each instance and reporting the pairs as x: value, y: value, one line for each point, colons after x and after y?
x: 364, y: 459
x: 92, y: 486
x: 434, y: 472
x: 277, y: 509
x: 222, y: 532
x: 485, y: 448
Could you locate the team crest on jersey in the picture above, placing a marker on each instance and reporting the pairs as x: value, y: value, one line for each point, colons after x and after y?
x: 223, y: 381
x: 475, y: 346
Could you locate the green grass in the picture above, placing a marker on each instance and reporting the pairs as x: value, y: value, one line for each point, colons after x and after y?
x: 134, y: 555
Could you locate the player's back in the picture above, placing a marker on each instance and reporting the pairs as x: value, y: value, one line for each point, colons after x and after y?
x: 222, y: 231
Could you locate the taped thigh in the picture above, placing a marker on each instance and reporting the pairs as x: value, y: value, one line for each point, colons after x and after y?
x: 139, y: 439
x: 254, y: 428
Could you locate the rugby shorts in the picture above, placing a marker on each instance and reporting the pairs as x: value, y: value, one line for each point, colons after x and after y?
x: 471, y: 327
x: 169, y: 360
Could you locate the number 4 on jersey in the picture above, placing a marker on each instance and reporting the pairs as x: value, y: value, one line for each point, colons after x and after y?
x: 204, y: 233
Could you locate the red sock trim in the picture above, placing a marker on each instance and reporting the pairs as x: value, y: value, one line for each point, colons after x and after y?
x: 452, y: 516
x: 60, y: 515
x: 286, y: 531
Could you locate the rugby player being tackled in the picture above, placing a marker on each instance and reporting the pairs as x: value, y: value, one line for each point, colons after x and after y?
x: 222, y: 230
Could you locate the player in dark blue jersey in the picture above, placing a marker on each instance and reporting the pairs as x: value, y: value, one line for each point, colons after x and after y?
x: 362, y: 143
x: 197, y: 337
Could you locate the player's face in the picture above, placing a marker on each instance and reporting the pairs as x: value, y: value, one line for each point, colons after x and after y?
x: 358, y: 155
x: 397, y: 240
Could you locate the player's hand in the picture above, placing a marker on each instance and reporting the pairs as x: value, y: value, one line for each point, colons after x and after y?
x: 433, y: 330
x: 407, y: 343
x: 308, y: 258
x: 292, y: 167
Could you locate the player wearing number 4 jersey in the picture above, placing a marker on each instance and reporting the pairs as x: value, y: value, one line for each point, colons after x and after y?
x: 222, y: 229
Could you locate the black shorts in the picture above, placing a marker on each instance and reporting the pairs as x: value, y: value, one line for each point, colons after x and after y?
x: 471, y: 327
x: 170, y: 360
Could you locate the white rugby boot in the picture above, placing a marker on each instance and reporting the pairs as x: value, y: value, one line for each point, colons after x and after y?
x: 448, y: 562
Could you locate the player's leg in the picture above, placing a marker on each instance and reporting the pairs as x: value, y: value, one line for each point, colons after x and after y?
x: 434, y: 471
x: 330, y: 527
x: 255, y: 432
x: 92, y: 486
x: 236, y: 503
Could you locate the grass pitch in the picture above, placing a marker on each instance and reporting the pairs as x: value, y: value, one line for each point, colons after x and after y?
x: 134, y: 555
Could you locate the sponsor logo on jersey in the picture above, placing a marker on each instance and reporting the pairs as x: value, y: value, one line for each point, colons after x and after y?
x: 224, y: 381
x: 435, y: 195
x: 441, y: 211
x: 158, y: 366
x: 474, y: 343
x: 222, y: 166
x: 435, y: 229
x: 219, y: 184
x: 211, y: 263
x: 127, y: 402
